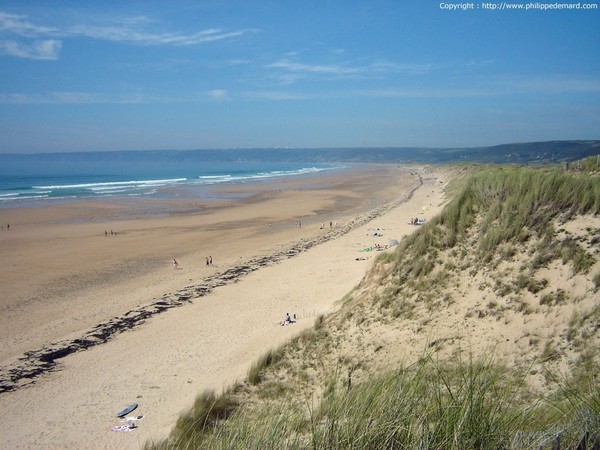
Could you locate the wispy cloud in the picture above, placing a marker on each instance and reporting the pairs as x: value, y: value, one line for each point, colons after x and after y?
x: 497, y: 86
x: 289, y: 70
x: 315, y: 68
x: 228, y: 63
x: 44, y: 50
x: 85, y: 98
x: 278, y: 95
x: 395, y: 67
x: 135, y: 30
x: 480, y: 63
x: 141, y: 37
x: 490, y: 87
x: 19, y: 25
x: 219, y: 95
x: 547, y: 84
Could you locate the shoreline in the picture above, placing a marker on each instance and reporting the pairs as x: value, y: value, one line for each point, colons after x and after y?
x: 209, y: 344
x: 39, y: 361
x: 62, y: 261
x: 185, y: 198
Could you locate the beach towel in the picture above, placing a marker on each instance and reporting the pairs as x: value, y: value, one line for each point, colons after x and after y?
x: 122, y: 428
x: 132, y: 418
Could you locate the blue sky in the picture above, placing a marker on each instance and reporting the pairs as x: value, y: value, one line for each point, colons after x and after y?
x: 103, y: 75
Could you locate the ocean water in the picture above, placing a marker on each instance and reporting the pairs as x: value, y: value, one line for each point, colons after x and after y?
x: 46, y: 178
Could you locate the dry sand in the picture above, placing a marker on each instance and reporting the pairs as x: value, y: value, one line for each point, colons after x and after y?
x: 62, y: 277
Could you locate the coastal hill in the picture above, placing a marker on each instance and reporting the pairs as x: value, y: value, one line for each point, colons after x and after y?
x: 531, y: 153
x: 519, y: 153
x: 479, y: 330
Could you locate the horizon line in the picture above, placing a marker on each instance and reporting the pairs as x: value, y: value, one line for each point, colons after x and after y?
x: 362, y: 147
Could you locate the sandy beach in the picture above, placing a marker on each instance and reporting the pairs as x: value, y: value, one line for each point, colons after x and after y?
x: 100, y: 275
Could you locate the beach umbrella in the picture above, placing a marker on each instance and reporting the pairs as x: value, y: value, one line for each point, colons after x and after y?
x: 392, y: 242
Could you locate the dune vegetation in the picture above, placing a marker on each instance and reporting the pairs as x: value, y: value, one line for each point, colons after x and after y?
x: 480, y: 330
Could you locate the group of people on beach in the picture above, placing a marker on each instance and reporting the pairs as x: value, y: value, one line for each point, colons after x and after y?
x: 288, y: 320
x: 112, y: 233
x: 331, y: 224
x: 209, y: 262
x: 7, y: 227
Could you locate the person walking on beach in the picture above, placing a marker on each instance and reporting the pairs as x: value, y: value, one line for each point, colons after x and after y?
x: 175, y: 264
x: 210, y: 260
x: 207, y: 261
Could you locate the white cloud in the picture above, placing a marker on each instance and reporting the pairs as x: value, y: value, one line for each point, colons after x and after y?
x: 480, y: 63
x: 393, y: 67
x: 134, y: 30
x: 215, y: 65
x: 85, y: 98
x: 278, y: 95
x: 218, y: 95
x: 497, y: 86
x: 40, y: 99
x: 394, y: 92
x: 290, y: 71
x: 43, y: 50
x: 316, y: 68
x: 548, y: 84
x: 17, y: 24
x: 141, y: 37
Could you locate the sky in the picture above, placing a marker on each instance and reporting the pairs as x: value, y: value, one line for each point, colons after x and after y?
x: 143, y: 75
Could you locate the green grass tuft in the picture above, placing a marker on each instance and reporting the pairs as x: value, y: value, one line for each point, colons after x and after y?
x: 265, y: 361
x: 473, y: 404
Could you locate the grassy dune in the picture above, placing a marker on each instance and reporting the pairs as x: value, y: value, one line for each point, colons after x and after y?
x: 482, y: 330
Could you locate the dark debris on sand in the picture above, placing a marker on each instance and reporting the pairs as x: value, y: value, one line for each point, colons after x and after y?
x: 36, y: 362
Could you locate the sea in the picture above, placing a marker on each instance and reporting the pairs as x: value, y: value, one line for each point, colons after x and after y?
x: 44, y: 178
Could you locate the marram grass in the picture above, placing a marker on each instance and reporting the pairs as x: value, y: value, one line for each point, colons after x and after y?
x: 462, y: 404
x: 502, y: 205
